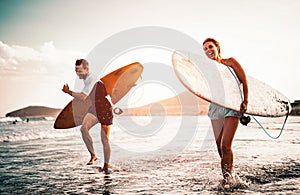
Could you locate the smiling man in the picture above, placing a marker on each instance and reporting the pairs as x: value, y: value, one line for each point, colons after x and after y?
x: 99, y: 111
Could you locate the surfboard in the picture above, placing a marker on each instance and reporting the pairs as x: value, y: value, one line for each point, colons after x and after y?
x: 117, y: 83
x: 217, y: 83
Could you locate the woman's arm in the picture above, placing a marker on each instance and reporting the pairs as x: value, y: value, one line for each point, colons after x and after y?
x: 240, y: 73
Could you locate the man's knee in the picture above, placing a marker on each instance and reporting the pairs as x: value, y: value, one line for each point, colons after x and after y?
x: 105, y: 134
x: 104, y: 140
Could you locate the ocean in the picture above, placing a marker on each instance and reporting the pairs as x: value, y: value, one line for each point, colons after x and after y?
x: 150, y: 155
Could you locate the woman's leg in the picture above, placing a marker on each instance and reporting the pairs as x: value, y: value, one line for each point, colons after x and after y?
x: 229, y: 129
x: 218, y: 125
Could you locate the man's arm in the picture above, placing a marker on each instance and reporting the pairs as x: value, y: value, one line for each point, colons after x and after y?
x: 78, y: 95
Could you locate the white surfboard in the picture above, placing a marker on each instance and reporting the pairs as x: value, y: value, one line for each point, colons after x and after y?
x: 216, y: 83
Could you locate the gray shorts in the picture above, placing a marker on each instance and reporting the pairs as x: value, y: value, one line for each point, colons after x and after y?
x: 218, y: 112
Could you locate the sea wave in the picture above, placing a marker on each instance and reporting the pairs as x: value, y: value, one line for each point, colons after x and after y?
x: 33, y: 130
x: 10, y: 119
x: 17, y: 137
x: 16, y: 120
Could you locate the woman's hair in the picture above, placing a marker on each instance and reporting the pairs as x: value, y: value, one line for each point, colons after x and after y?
x: 84, y: 63
x: 215, y: 42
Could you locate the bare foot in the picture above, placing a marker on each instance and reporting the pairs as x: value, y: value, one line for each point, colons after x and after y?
x: 92, y: 160
x: 106, y: 168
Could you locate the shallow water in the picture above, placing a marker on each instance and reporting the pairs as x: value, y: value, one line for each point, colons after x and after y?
x: 150, y: 155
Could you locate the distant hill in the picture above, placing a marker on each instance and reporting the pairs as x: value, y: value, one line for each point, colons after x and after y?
x: 34, y: 112
x: 295, y: 108
x: 185, y: 103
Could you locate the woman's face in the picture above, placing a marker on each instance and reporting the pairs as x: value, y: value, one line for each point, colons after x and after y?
x: 211, y: 50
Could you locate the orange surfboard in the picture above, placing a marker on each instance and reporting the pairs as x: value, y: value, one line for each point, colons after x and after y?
x: 117, y: 84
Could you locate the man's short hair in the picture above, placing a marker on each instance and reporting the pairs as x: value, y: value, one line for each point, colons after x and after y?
x: 84, y: 63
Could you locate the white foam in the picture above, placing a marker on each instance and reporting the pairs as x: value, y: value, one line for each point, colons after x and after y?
x: 10, y: 119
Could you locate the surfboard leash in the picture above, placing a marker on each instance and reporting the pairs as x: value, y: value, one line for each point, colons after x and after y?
x: 248, y: 120
x: 281, y: 130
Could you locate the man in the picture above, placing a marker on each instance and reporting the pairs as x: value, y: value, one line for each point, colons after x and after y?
x: 100, y: 110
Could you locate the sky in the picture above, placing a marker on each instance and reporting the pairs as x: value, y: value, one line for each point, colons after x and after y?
x: 40, y: 40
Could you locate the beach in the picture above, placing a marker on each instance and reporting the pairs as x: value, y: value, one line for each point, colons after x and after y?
x: 150, y: 155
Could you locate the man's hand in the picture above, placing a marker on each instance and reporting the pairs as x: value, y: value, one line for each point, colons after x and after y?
x: 66, y: 89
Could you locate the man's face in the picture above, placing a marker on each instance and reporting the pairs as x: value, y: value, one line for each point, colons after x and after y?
x: 81, y: 72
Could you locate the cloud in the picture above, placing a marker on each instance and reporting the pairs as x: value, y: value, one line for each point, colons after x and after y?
x: 24, y: 62
x: 28, y: 75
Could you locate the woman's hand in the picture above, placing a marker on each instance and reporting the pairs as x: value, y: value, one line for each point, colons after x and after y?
x: 243, y: 107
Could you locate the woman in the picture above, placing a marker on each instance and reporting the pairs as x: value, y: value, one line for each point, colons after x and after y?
x: 225, y: 121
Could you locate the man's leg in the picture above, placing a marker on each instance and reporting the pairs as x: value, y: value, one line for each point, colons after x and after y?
x: 105, y: 131
x: 88, y: 122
